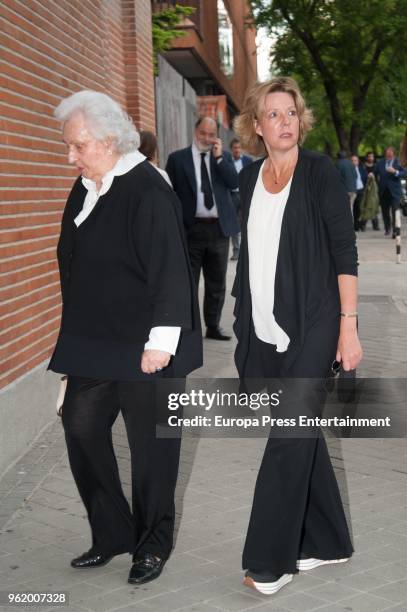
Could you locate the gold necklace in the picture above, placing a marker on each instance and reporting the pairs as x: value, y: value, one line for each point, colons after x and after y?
x: 284, y: 175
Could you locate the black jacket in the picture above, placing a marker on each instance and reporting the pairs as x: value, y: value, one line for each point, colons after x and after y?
x: 390, y: 181
x: 124, y: 270
x: 180, y: 167
x: 317, y: 243
x: 348, y: 174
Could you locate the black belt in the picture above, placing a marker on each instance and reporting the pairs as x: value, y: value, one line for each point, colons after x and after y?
x: 206, y: 220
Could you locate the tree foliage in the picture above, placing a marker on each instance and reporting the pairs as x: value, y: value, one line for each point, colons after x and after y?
x: 349, y: 59
x: 165, y: 27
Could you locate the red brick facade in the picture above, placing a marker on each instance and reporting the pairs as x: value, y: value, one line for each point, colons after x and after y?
x: 48, y: 51
x: 202, y: 40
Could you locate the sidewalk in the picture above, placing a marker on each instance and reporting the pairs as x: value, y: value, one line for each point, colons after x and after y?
x: 43, y: 523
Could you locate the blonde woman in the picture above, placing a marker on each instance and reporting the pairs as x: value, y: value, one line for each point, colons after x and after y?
x: 296, y: 312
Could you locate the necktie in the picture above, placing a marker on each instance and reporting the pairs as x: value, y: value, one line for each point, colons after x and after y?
x: 206, y: 184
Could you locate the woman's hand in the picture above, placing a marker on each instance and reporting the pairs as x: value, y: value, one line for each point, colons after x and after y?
x: 349, y: 350
x: 153, y: 361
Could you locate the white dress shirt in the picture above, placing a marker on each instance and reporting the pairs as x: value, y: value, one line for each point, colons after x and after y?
x: 163, y: 338
x: 201, y: 210
x: 264, y: 229
x: 238, y: 164
x: 359, y: 182
x: 238, y: 167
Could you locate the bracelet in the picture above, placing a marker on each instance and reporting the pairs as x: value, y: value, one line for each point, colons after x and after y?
x: 349, y: 314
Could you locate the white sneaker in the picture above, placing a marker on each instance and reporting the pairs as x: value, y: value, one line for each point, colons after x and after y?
x: 257, y: 582
x: 309, y: 564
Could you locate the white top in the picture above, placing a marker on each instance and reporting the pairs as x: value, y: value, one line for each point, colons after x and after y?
x: 263, y: 231
x: 201, y: 210
x: 163, y: 338
x: 163, y: 173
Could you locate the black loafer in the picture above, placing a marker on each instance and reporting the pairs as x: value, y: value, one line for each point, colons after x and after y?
x: 90, y: 559
x: 145, y: 568
x: 215, y: 333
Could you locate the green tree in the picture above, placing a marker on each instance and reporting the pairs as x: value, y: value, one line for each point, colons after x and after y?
x: 349, y: 59
x: 165, y: 27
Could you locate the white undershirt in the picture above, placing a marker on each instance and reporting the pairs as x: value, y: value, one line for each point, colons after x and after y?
x: 263, y: 231
x: 162, y: 338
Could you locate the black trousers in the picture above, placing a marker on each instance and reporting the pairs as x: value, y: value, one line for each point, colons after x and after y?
x: 297, y: 506
x: 356, y: 210
x: 389, y: 205
x: 208, y: 250
x: 89, y: 411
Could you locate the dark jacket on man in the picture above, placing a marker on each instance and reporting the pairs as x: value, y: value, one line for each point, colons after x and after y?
x: 180, y: 167
x: 348, y: 174
x: 389, y: 181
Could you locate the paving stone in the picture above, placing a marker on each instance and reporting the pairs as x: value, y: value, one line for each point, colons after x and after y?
x: 112, y: 600
x: 301, y: 602
x: 331, y: 592
x: 395, y: 591
x: 235, y: 602
x: 205, y: 607
x: 365, y: 602
x: 173, y: 601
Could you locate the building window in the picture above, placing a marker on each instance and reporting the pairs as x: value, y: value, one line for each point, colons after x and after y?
x: 225, y: 32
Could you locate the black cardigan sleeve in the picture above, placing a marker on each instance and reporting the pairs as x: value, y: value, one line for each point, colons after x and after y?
x: 337, y: 216
x: 161, y: 247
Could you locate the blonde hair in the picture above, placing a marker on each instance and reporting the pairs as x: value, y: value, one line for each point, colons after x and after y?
x: 252, y: 111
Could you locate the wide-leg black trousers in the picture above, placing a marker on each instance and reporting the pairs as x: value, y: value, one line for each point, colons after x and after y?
x: 297, y: 506
x: 90, y: 408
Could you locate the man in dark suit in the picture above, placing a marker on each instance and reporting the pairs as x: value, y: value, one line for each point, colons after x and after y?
x: 348, y: 176
x: 240, y: 161
x: 370, y: 165
x: 388, y: 173
x: 361, y: 179
x: 203, y: 176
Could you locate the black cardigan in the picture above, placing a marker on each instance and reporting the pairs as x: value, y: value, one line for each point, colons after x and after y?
x: 124, y: 270
x: 317, y: 243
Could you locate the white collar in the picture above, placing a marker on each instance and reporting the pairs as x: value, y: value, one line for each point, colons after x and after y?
x: 123, y: 165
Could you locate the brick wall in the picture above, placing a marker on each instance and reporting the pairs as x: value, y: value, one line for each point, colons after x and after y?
x: 138, y: 62
x: 50, y: 49
x: 202, y: 42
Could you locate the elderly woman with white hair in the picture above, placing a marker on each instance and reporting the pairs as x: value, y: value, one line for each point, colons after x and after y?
x: 130, y: 318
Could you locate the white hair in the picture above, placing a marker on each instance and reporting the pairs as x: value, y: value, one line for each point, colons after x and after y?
x: 104, y: 117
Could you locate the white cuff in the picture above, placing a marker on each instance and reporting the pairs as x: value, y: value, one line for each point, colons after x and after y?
x: 163, y: 339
